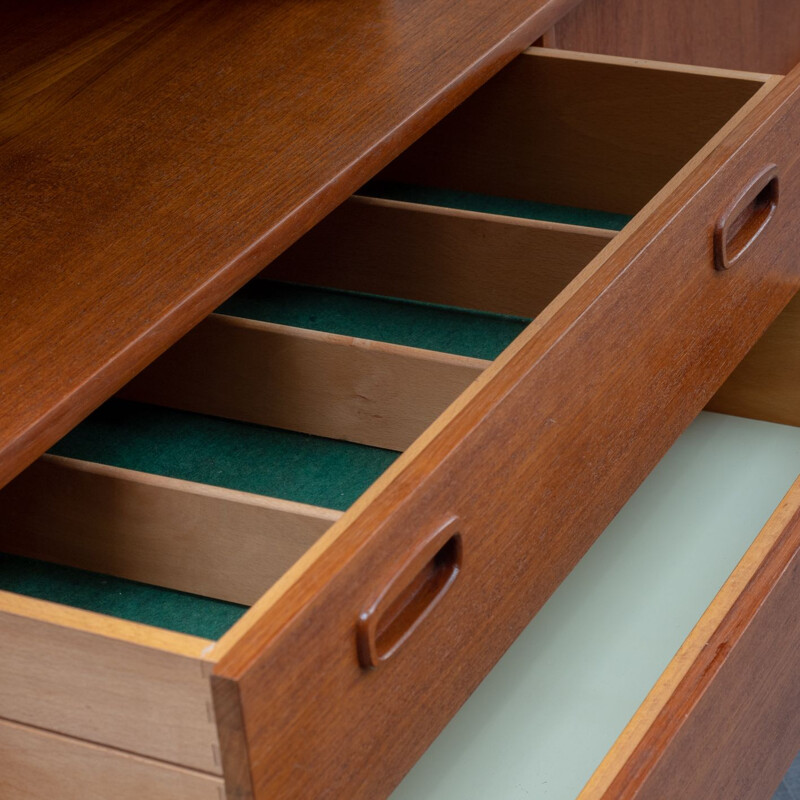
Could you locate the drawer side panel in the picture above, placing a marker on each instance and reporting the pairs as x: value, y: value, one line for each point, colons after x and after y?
x: 108, y: 691
x: 39, y: 765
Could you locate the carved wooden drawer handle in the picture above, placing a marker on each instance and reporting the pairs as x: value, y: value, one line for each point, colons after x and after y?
x: 742, y: 223
x: 410, y: 595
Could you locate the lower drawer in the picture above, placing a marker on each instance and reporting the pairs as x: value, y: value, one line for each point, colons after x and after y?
x: 382, y: 587
x: 666, y: 665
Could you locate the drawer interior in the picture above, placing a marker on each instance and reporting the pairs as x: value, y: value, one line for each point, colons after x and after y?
x: 555, y: 704
x: 142, y: 557
x: 250, y: 436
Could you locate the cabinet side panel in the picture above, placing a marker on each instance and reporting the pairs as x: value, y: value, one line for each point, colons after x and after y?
x: 766, y: 385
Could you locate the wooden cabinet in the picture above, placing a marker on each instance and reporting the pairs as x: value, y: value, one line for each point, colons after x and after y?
x: 374, y: 615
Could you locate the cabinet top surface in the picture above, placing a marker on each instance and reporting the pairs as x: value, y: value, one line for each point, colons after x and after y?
x: 155, y: 154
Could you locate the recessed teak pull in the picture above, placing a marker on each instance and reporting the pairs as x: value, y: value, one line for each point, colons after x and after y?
x: 747, y: 216
x: 410, y: 595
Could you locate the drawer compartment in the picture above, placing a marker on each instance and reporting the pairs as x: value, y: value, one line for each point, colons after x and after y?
x: 515, y: 456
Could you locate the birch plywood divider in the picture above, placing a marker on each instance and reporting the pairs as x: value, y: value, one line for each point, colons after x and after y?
x: 374, y: 393
x: 440, y: 255
x: 188, y: 536
x: 523, y: 461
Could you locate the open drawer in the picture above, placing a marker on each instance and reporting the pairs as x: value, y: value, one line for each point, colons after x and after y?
x: 661, y: 667
x: 381, y: 596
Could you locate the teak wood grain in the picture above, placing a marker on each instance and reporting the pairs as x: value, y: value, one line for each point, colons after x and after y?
x: 761, y: 35
x: 325, y: 384
x: 459, y: 258
x: 156, y: 155
x: 722, y: 721
x: 577, y: 410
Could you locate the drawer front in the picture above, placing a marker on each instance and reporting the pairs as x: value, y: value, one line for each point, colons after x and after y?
x: 462, y: 541
x: 722, y: 721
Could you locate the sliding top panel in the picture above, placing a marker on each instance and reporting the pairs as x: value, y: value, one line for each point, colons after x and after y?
x: 156, y: 155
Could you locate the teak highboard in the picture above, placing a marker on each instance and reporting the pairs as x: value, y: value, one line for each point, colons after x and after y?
x: 294, y: 240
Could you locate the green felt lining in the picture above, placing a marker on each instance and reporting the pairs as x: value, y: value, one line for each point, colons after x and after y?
x: 491, y: 204
x: 237, y: 455
x: 204, y: 449
x: 222, y: 452
x: 432, y: 327
x: 137, y: 602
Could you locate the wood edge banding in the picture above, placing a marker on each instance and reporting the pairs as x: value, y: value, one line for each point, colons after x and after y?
x: 135, y: 633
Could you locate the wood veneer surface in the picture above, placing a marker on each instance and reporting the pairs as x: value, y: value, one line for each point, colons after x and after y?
x: 155, y: 155
x: 762, y: 35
